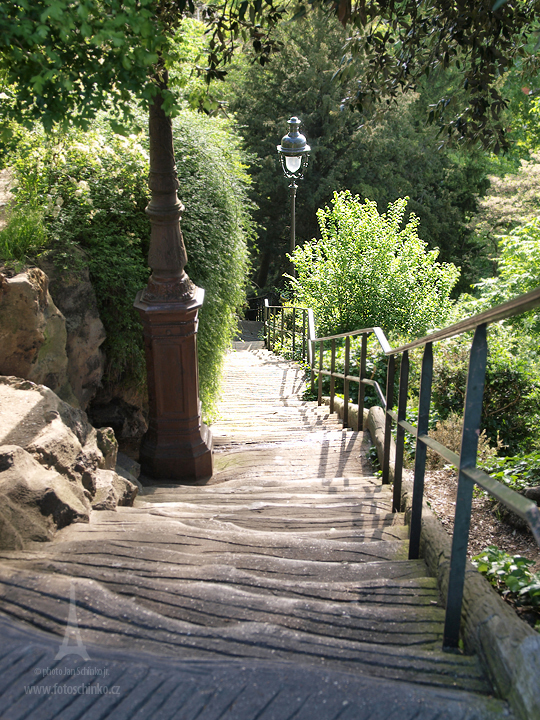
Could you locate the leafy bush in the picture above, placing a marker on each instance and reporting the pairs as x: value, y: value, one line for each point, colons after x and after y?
x: 511, y: 406
x: 369, y: 270
x: 91, y: 190
x: 510, y: 574
x: 448, y: 432
x: 519, y: 472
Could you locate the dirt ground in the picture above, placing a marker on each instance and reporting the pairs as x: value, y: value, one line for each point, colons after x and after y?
x: 486, y: 528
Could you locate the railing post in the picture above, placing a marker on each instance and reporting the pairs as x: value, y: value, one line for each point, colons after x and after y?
x: 346, y: 383
x: 332, y: 378
x: 293, y: 331
x: 420, y: 455
x: 401, y: 415
x: 311, y: 346
x: 361, y: 386
x: 321, y: 351
x: 265, y: 320
x: 388, y: 418
x: 281, y: 327
x: 469, y: 446
x: 304, y: 339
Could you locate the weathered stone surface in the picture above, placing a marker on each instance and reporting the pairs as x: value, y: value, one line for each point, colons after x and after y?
x: 74, y: 296
x: 290, y: 554
x: 128, y: 464
x: 128, y: 476
x: 112, y: 490
x: 39, y: 500
x: 56, y: 446
x: 533, y: 493
x: 353, y: 412
x: 33, y: 332
x: 376, y: 426
x: 106, y: 442
x: 61, y: 439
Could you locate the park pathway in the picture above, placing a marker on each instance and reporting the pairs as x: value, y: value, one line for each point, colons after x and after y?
x: 280, y: 590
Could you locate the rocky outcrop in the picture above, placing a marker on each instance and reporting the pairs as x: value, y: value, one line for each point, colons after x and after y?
x: 50, y: 331
x: 34, y: 501
x: 54, y: 466
x: 33, y: 332
x: 74, y: 296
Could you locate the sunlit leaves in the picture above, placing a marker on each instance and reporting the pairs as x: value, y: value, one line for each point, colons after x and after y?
x: 371, y: 269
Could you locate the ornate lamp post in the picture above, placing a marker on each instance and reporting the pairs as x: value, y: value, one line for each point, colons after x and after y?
x: 294, y: 154
x: 177, y: 446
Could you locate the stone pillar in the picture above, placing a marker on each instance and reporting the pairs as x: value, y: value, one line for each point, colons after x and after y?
x: 177, y: 446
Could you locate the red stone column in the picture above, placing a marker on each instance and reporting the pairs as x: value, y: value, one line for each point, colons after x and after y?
x: 177, y: 446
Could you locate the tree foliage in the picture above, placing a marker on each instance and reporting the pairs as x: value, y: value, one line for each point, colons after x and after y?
x: 406, y: 41
x: 370, y: 269
x: 391, y: 156
x: 63, y: 62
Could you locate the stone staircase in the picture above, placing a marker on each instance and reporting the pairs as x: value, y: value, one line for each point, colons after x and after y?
x: 280, y: 589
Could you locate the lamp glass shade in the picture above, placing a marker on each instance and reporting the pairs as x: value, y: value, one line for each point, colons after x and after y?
x: 293, y: 163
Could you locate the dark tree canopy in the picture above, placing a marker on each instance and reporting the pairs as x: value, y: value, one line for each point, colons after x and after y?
x: 406, y: 40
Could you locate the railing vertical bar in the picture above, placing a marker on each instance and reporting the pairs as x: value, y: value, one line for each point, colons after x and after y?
x: 293, y: 331
x: 469, y: 446
x: 400, y: 438
x: 420, y: 455
x: 265, y: 320
x: 346, y: 383
x: 274, y: 329
x: 332, y: 378
x: 361, y: 386
x: 321, y: 351
x: 311, y: 346
x: 304, y: 338
x: 388, y: 418
x: 281, y: 328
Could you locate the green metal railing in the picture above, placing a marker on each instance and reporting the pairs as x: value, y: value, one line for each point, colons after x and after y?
x: 465, y: 462
x: 291, y: 326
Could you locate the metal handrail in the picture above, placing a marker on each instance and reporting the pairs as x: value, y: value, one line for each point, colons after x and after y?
x: 469, y: 474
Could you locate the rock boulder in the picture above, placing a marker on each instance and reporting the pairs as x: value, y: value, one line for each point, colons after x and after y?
x: 74, y: 296
x: 66, y: 462
x: 33, y: 332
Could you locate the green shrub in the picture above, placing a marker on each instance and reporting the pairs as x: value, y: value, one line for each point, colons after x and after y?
x: 511, y: 405
x: 367, y: 269
x: 91, y: 189
x: 510, y: 574
x: 519, y: 473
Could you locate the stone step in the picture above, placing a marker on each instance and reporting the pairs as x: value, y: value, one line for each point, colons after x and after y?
x: 288, y: 566
x: 150, y: 687
x: 108, y: 619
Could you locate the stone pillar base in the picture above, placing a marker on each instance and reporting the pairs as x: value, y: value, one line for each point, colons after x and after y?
x: 177, y: 446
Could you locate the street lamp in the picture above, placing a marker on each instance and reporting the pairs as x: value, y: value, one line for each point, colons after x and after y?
x: 294, y: 154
